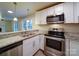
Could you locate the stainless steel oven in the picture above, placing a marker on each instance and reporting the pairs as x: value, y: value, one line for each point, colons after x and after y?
x: 55, y: 43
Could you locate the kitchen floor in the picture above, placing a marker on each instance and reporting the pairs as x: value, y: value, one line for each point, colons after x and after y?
x: 40, y: 53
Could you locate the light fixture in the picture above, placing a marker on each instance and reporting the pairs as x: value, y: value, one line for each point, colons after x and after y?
x: 28, y: 21
x: 15, y: 18
x: 28, y: 14
x: 10, y: 12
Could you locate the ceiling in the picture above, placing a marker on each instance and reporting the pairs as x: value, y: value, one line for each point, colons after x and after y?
x: 21, y: 8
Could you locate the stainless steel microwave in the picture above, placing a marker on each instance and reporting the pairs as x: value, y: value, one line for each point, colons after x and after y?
x: 55, y: 19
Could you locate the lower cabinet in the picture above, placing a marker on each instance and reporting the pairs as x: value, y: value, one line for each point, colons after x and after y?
x: 41, y: 42
x: 67, y: 47
x: 72, y: 47
x: 17, y: 51
x: 35, y: 44
x: 30, y: 46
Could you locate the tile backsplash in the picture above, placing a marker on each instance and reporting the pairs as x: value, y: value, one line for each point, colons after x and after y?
x: 67, y: 27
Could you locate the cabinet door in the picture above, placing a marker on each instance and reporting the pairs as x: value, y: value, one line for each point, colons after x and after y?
x: 51, y: 11
x: 16, y: 51
x: 20, y: 50
x: 43, y: 16
x: 36, y: 44
x: 41, y: 41
x: 68, y: 12
x: 28, y: 47
x: 67, y: 46
x: 59, y: 9
x: 5, y: 54
x: 37, y: 17
x: 74, y: 47
x: 76, y: 12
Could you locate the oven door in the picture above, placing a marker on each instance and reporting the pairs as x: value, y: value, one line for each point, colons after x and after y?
x: 57, y: 44
x: 54, y: 44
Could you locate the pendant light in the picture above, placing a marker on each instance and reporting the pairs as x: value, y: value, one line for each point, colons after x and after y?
x: 28, y: 14
x: 15, y: 18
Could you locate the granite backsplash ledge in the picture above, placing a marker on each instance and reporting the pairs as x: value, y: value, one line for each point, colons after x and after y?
x: 72, y: 35
x: 11, y: 34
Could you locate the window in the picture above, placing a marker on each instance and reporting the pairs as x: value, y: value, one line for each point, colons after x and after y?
x: 30, y: 24
x: 15, y: 26
x: 26, y: 24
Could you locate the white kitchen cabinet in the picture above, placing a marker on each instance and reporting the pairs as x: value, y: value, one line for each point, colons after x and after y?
x: 74, y: 47
x: 16, y: 51
x: 68, y: 12
x: 67, y: 47
x: 43, y: 16
x: 55, y: 10
x: 40, y: 17
x: 76, y: 12
x: 51, y: 11
x: 28, y: 47
x: 41, y: 41
x: 59, y: 9
x: 35, y: 44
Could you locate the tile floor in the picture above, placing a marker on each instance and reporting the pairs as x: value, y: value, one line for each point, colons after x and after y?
x: 40, y: 53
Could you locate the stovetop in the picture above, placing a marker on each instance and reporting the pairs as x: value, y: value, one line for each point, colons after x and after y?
x: 55, y: 34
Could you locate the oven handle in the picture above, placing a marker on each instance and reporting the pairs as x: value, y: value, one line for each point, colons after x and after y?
x: 54, y: 38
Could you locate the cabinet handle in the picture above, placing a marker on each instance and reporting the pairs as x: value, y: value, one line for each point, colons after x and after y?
x: 33, y: 43
x: 78, y: 19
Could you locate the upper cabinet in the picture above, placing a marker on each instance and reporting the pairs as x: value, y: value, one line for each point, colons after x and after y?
x: 43, y: 16
x: 50, y: 11
x: 40, y: 16
x: 76, y: 12
x: 68, y: 12
x: 59, y: 9
x: 37, y: 17
x: 55, y: 10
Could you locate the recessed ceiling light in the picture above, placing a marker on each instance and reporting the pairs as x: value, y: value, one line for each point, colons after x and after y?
x: 10, y: 11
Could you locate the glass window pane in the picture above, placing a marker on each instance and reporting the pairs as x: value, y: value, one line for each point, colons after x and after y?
x: 15, y: 26
x: 24, y: 24
x: 30, y: 24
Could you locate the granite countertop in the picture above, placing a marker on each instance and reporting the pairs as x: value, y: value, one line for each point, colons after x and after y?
x: 72, y: 35
x: 14, y: 39
x: 5, y: 33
